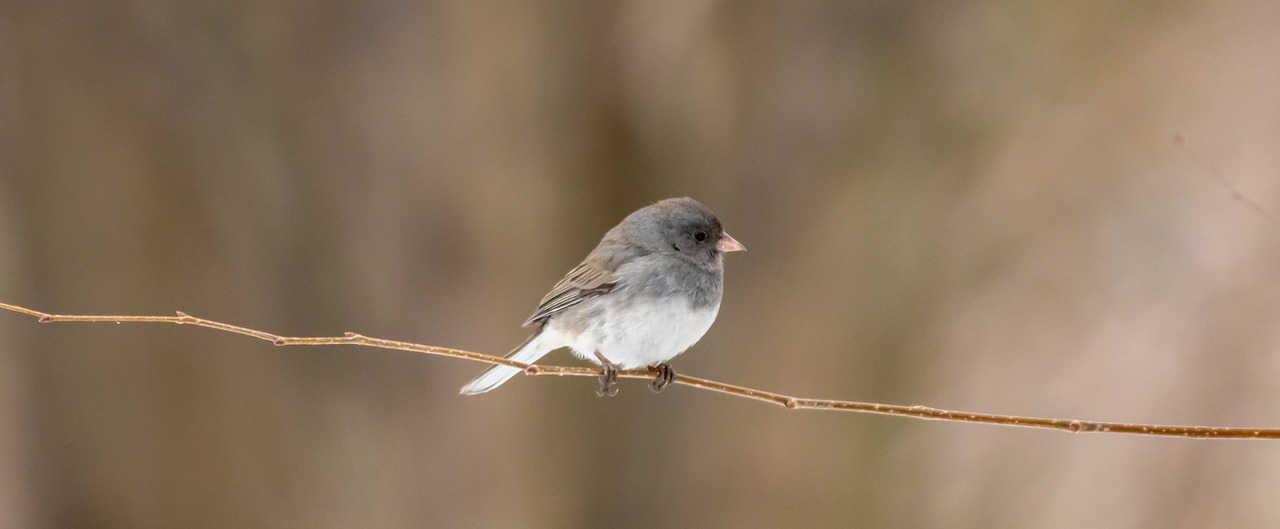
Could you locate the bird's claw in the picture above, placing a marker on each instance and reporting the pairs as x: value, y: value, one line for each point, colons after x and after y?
x: 608, y: 378
x: 663, y: 377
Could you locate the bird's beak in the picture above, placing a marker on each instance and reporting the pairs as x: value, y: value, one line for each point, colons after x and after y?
x: 728, y: 244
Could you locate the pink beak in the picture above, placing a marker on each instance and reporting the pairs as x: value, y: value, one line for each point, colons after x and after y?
x: 729, y: 244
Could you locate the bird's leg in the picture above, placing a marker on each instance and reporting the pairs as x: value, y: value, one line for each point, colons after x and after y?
x: 662, y: 377
x: 609, y: 379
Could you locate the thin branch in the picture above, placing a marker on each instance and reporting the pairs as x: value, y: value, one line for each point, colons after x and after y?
x: 789, y: 402
x: 1236, y: 194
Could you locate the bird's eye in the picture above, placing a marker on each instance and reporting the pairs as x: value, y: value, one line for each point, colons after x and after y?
x: 700, y: 236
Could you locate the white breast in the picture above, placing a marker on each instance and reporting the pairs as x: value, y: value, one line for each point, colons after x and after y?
x: 647, y: 333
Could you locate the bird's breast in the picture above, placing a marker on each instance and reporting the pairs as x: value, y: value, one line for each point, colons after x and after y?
x: 652, y: 331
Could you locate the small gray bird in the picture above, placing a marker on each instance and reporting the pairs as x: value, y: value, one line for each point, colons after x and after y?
x: 649, y: 290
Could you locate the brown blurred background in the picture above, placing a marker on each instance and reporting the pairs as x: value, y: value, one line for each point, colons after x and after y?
x: 976, y: 206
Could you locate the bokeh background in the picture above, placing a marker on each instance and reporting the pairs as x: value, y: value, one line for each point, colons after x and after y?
x: 972, y: 205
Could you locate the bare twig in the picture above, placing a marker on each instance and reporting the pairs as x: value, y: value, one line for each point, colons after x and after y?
x: 794, y: 403
x: 1239, y: 196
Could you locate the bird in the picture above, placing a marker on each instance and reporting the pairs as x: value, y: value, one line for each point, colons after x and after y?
x: 646, y: 293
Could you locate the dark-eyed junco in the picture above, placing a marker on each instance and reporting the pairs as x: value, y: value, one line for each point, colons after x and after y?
x: 649, y: 290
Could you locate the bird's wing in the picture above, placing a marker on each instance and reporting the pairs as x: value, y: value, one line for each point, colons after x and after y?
x: 584, y: 282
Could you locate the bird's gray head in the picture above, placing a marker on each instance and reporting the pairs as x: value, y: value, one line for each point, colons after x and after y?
x: 681, y: 226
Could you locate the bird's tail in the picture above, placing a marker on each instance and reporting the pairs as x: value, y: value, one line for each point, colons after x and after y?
x: 528, y: 352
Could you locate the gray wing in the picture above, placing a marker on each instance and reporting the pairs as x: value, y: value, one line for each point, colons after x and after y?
x: 584, y: 282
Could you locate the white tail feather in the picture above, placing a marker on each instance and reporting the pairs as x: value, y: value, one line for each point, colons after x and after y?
x: 528, y: 352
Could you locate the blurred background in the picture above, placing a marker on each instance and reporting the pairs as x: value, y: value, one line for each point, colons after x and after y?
x: 975, y: 206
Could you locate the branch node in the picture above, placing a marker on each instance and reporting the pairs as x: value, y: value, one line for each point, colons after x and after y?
x: 1074, y: 426
x: 349, y: 334
x: 181, y: 314
x: 45, y: 319
x: 532, y: 370
x: 792, y: 404
x: 279, y: 341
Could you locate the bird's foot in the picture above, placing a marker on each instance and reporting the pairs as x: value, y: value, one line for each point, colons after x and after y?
x: 663, y: 377
x: 609, y: 378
